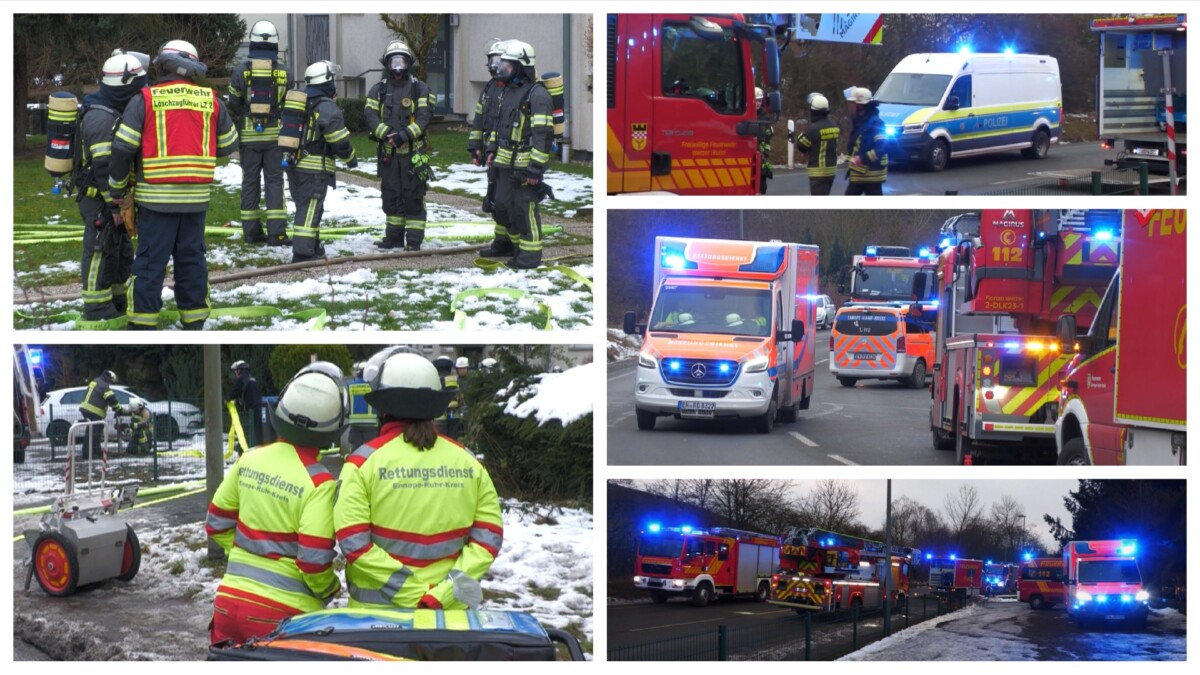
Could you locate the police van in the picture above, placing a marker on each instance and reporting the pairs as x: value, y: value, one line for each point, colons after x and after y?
x: 935, y: 106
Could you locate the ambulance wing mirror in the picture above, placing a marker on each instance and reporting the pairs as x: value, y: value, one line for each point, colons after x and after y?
x: 630, y: 327
x: 706, y: 30
x: 797, y: 333
x: 920, y: 284
x: 1065, y: 331
x: 774, y: 103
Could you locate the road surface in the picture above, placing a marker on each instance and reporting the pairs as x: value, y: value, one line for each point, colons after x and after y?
x: 875, y: 422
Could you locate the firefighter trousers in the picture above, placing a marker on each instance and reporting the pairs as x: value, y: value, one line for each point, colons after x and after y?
x: 862, y: 188
x: 518, y: 211
x: 162, y: 237
x: 820, y: 186
x: 403, y: 200
x: 106, y: 263
x: 239, y: 620
x: 310, y: 190
x: 262, y: 165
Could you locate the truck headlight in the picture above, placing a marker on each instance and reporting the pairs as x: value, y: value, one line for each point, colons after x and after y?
x: 1142, y: 596
x: 1083, y: 596
x: 756, y: 365
x: 647, y: 361
x: 677, y: 583
x: 639, y: 580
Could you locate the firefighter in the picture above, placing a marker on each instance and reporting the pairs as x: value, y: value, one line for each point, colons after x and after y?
x: 259, y: 151
x: 174, y: 173
x: 247, y: 399
x: 273, y: 514
x: 410, y: 541
x: 819, y: 144
x: 764, y: 141
x: 524, y: 142
x: 107, y: 247
x: 141, y: 431
x: 867, y: 146
x: 483, y: 128
x: 325, y: 137
x: 449, y: 381
x: 398, y: 111
x: 96, y: 401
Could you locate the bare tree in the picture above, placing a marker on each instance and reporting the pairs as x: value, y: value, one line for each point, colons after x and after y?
x: 671, y: 488
x: 832, y: 505
x: 963, y: 509
x: 906, y: 516
x: 1007, y: 518
x: 419, y: 31
x: 748, y: 503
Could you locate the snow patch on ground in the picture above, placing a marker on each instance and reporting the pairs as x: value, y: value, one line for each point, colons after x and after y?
x: 621, y: 345
x: 563, y: 396
x: 568, y: 187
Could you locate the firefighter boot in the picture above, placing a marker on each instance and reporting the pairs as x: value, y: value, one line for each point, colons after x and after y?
x: 501, y: 247
x: 525, y: 260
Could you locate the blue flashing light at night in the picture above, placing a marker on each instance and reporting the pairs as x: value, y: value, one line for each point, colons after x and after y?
x: 674, y: 366
x: 35, y: 357
x: 1101, y: 598
x: 1009, y: 51
x: 675, y: 262
x: 1012, y: 345
x: 989, y: 562
x: 1128, y: 548
x: 890, y: 130
x: 964, y: 49
x: 724, y: 368
x: 935, y: 303
x: 945, y: 243
x: 929, y: 556
x: 1104, y: 235
x: 686, y: 529
x: 954, y: 556
x: 654, y: 527
x: 1029, y: 556
x: 1125, y: 597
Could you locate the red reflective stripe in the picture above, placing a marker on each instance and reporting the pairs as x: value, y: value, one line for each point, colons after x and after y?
x: 424, y: 562
x: 492, y: 527
x: 223, y: 513
x: 388, y: 433
x: 312, y: 568
x: 265, y: 534
x: 418, y: 538
x: 350, y: 531
x: 309, y: 541
x: 487, y: 547
x: 255, y: 598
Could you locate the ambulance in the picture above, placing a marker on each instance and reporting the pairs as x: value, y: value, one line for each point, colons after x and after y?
x: 731, y: 332
x: 1103, y: 582
x: 879, y: 342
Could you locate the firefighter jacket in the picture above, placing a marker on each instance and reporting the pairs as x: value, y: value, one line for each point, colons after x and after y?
x: 325, y: 137
x: 404, y: 107
x: 406, y: 518
x: 97, y: 400
x: 820, y: 141
x: 241, y: 82
x: 179, y: 129
x: 245, y: 392
x: 487, y: 116
x: 525, y: 129
x: 96, y: 128
x: 273, y: 515
x: 868, y: 142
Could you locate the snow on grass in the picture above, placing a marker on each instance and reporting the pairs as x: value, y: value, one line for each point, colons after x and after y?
x: 571, y: 192
x: 65, y: 267
x: 621, y: 345
x: 564, y: 396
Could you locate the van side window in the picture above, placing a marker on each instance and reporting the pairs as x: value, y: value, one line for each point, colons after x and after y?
x: 695, y: 68
x: 962, y: 89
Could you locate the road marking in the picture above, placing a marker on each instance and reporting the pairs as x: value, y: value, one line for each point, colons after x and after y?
x: 617, y: 375
x: 800, y: 437
x: 843, y: 460
x: 619, y: 418
x: 672, y: 625
x: 822, y: 361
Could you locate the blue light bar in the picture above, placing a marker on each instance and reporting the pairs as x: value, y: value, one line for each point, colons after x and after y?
x: 1128, y: 548
x: 1125, y: 597
x: 686, y: 529
x: 964, y: 49
x: 1104, y: 235
x: 1029, y: 556
x: 1101, y: 598
x: 35, y: 357
x: 654, y: 527
x: 929, y: 556
x: 675, y: 262
x: 923, y: 252
x: 1012, y: 345
x: 872, y: 250
x: 934, y: 303
x: 989, y: 562
x: 1008, y: 51
x: 953, y: 556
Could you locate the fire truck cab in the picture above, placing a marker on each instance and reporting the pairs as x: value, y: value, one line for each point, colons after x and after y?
x: 704, y: 564
x: 823, y: 571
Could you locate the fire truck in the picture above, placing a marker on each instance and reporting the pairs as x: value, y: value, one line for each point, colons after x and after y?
x: 681, y: 110
x: 1103, y: 582
x: 999, y: 578
x: 731, y: 332
x: 1041, y: 583
x: 997, y: 363
x: 959, y: 577
x: 1142, y: 89
x: 821, y: 571
x: 1124, y: 395
x: 884, y: 275
x: 704, y: 564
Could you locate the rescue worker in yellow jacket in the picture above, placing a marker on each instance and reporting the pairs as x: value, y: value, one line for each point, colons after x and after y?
x: 417, y: 516
x: 273, y: 513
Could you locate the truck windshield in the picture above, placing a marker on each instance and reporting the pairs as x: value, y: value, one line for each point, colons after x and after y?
x: 661, y: 547
x: 696, y: 68
x: 696, y: 309
x: 912, y: 89
x: 1108, y: 571
x: 883, y: 283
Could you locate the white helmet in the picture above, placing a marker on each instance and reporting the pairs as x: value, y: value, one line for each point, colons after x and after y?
x: 110, y: 376
x: 142, y: 57
x: 407, y: 386
x: 758, y: 94
x: 732, y: 319
x: 859, y: 95
x: 312, y: 408
x: 686, y: 319
x: 264, y: 31
x: 489, y: 362
x: 322, y: 72
x: 462, y: 362
x: 495, y: 49
x: 521, y: 52
x: 397, y: 56
x: 179, y: 57
x: 239, y: 365
x: 818, y: 102
x: 181, y: 48
x: 122, y: 70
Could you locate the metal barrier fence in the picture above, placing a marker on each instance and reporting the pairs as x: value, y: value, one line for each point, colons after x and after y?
x: 811, y: 637
x: 171, y: 447
x: 1134, y: 180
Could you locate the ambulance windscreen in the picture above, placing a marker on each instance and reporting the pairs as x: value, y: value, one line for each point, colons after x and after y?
x: 1108, y: 571
x: 883, y: 284
x: 704, y: 309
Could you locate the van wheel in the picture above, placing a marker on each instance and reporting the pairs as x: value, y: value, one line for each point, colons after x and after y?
x: 1040, y: 146
x: 645, y: 419
x: 703, y: 594
x: 939, y: 155
x: 847, y: 381
x: 787, y: 414
x: 764, y: 423
x: 1074, y: 453
x: 917, y: 380
x: 1036, y: 602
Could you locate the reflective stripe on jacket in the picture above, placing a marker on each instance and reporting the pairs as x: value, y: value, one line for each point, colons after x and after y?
x: 273, y: 515
x: 868, y: 142
x: 820, y: 141
x: 405, y: 518
x: 98, y: 398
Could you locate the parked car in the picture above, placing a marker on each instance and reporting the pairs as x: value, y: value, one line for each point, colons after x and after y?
x: 825, y: 311
x: 171, y: 419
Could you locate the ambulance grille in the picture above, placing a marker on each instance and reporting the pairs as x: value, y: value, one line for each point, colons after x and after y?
x: 704, y: 393
x: 699, y: 372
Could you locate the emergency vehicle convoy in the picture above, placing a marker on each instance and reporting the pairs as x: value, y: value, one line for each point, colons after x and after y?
x: 1124, y: 394
x: 1140, y: 56
x: 731, y: 332
x: 954, y: 576
x: 1103, y: 583
x: 997, y: 362
x: 681, y: 109
x: 1041, y: 583
x: 704, y: 564
x: 821, y: 571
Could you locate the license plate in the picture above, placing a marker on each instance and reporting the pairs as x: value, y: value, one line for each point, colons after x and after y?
x: 865, y: 356
x: 697, y: 408
x: 1146, y: 151
x: 655, y: 582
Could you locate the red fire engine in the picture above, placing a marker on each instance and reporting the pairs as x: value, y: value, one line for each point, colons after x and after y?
x: 822, y: 571
x: 955, y: 576
x: 1041, y: 583
x: 998, y: 365
x: 999, y: 578
x: 703, y: 564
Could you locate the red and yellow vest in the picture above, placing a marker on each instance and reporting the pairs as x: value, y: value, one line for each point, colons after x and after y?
x: 179, y: 139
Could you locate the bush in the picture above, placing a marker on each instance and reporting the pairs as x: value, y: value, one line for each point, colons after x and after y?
x: 352, y: 110
x: 287, y: 359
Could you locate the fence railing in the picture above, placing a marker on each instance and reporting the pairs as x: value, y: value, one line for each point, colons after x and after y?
x: 811, y: 637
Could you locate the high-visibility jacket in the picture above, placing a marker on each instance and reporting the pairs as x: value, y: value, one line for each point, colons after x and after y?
x: 868, y: 142
x: 273, y: 515
x: 98, y: 398
x: 179, y: 128
x: 820, y: 141
x: 406, y: 517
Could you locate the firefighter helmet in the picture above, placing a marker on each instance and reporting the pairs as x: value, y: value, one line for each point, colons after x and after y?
x: 179, y: 57
x: 322, y: 72
x: 758, y: 94
x: 313, y: 407
x: 818, y: 103
x: 859, y: 95
x: 407, y: 386
x: 495, y: 49
x: 239, y: 365
x: 520, y: 52
x: 264, y: 32
x: 122, y: 70
x: 462, y: 362
x: 489, y: 362
x: 397, y: 57
x: 110, y: 376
